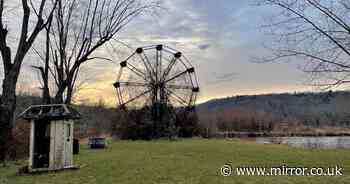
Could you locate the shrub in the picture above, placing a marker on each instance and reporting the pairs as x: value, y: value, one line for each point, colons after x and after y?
x: 139, y: 124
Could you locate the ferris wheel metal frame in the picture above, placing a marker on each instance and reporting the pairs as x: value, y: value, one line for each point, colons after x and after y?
x: 157, y: 78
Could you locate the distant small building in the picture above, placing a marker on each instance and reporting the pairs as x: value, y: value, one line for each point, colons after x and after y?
x: 282, y: 126
x: 51, y: 136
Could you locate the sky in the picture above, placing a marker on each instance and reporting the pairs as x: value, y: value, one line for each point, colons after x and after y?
x: 220, y: 38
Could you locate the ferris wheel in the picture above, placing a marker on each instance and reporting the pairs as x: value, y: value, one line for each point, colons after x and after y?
x: 154, y: 75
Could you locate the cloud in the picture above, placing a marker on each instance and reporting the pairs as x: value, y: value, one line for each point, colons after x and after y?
x: 204, y: 46
x: 218, y: 37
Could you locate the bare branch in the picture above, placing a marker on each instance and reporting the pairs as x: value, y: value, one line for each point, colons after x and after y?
x: 316, y: 32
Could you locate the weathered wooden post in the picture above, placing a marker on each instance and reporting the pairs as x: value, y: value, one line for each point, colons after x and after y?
x: 51, y: 136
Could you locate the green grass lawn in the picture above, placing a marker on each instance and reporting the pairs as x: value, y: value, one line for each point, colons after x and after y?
x: 186, y: 161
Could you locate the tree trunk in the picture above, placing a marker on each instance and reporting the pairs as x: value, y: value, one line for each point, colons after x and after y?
x: 67, y: 86
x: 12, y: 69
x: 46, y: 93
x: 8, y: 100
x: 45, y: 72
x: 69, y: 95
x: 59, y: 96
x: 7, y: 110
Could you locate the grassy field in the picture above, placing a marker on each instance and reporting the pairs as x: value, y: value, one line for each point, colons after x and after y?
x: 186, y: 161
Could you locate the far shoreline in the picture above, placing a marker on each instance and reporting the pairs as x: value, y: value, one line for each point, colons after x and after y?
x: 280, y: 134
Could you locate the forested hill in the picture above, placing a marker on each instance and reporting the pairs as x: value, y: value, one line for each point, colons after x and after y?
x: 314, y: 109
x: 329, y: 107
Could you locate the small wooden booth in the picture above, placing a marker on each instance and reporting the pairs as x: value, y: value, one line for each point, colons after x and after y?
x: 51, y: 136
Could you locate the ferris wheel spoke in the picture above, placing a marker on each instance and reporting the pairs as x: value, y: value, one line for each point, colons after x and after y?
x: 136, y: 97
x: 119, y: 95
x: 168, y: 68
x: 158, y: 62
x: 147, y: 64
x: 172, y: 86
x: 132, y: 55
x: 119, y: 74
x: 177, y: 98
x: 137, y: 71
x: 132, y: 68
x: 176, y: 76
x: 134, y: 84
x: 193, y: 99
x: 171, y: 65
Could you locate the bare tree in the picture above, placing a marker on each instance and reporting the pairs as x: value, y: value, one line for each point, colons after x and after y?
x: 315, y: 31
x: 78, y: 29
x: 13, y: 58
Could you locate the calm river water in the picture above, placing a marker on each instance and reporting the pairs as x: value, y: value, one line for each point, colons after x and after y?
x: 309, y: 142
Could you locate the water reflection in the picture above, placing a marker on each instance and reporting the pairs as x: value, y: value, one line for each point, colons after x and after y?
x: 308, y: 142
